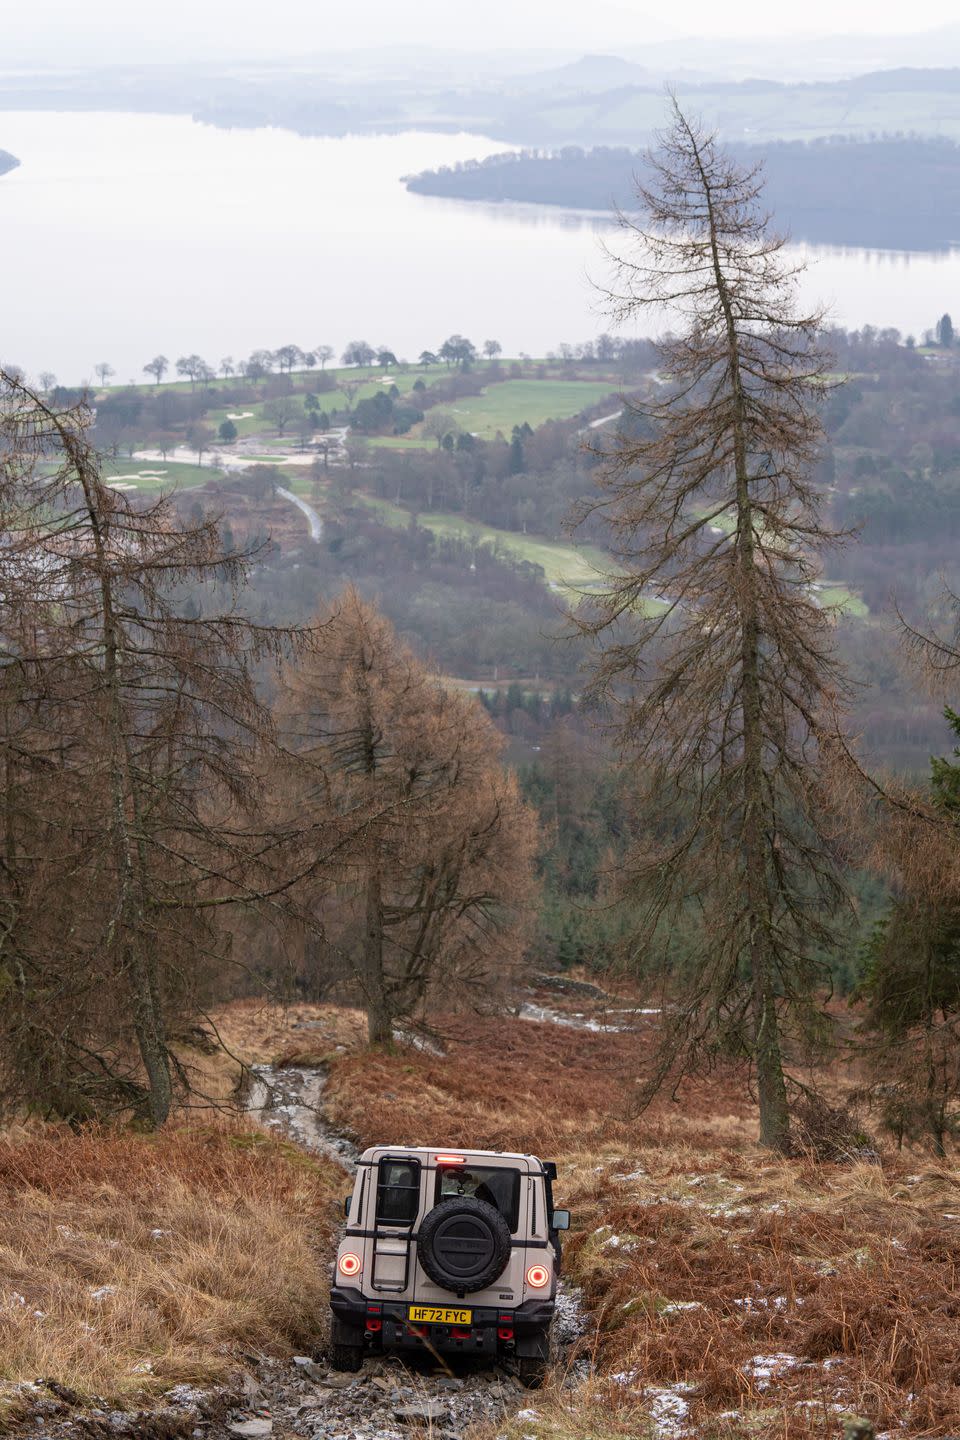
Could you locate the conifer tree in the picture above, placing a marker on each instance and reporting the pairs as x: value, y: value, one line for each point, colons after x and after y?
x: 423, y: 848
x: 715, y: 660
x: 130, y: 738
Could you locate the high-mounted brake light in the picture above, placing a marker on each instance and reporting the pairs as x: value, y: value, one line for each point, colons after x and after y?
x: 349, y: 1264
x: 538, y: 1276
x: 451, y: 1159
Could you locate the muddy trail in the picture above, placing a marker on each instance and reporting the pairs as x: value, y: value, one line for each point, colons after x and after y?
x: 304, y: 1397
x: 389, y: 1398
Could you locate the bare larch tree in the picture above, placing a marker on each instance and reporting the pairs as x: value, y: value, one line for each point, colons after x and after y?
x: 715, y: 663
x: 130, y: 739
x: 427, y: 849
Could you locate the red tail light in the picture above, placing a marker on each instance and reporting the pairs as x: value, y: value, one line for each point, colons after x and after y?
x: 349, y: 1264
x: 538, y: 1276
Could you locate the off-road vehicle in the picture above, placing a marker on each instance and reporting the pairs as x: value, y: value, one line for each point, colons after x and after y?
x: 448, y: 1251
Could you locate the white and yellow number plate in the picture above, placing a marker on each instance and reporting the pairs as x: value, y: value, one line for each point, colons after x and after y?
x: 434, y: 1315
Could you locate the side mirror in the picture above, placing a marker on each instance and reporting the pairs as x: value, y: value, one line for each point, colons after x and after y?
x: 346, y: 1206
x: 560, y: 1220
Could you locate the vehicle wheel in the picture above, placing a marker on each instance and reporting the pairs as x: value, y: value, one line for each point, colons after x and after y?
x: 347, y: 1358
x: 464, y: 1244
x: 532, y: 1371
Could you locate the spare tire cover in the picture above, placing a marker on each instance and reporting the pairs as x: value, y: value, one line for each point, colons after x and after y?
x: 463, y: 1244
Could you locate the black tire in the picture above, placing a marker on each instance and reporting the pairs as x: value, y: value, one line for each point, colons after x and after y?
x: 464, y: 1244
x: 346, y: 1358
x: 532, y: 1371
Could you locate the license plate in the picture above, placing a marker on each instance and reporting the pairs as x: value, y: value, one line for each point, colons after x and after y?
x: 434, y: 1315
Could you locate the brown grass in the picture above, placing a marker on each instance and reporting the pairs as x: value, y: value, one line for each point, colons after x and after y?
x: 510, y: 1084
x: 699, y: 1253
x: 129, y: 1262
x: 260, y: 1032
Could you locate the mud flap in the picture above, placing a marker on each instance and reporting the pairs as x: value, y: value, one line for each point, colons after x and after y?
x: 534, y: 1346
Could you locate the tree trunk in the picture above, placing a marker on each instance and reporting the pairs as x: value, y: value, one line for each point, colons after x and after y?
x: 379, y: 1019
x: 768, y: 1059
x: 137, y: 963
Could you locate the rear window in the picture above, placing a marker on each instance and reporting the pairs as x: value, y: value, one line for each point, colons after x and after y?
x: 499, y: 1187
x: 398, y: 1192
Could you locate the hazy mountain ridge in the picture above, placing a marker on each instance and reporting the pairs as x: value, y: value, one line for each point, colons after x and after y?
x: 594, y: 100
x: 7, y: 162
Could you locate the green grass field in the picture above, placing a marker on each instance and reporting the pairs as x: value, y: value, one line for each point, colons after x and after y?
x: 498, y: 409
x: 566, y: 566
x: 514, y: 402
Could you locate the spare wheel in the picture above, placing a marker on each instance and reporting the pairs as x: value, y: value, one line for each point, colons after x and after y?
x: 464, y: 1244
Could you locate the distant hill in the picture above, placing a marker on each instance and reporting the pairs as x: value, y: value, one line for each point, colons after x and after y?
x: 591, y: 73
x: 896, y: 194
x: 7, y: 162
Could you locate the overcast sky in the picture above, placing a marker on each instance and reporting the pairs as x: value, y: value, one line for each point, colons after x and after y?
x: 57, y: 31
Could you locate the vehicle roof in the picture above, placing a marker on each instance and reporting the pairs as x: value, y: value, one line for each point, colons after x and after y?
x: 434, y: 1150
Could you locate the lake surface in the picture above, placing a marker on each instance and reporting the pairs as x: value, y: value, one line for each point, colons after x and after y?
x: 125, y: 236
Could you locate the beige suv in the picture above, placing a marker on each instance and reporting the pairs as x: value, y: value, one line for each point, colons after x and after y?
x: 448, y: 1252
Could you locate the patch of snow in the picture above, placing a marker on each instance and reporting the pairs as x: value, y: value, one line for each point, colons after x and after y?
x: 569, y: 1316
x: 102, y: 1291
x: 418, y: 1042
x: 617, y: 1242
x: 186, y: 1395
x: 669, y: 1409
x: 762, y: 1302
x: 764, y: 1368
x: 674, y: 1307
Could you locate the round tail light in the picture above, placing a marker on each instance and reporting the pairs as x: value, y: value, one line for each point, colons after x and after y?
x: 538, y: 1276
x: 349, y: 1264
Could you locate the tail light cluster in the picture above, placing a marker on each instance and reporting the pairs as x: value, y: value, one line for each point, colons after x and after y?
x: 349, y: 1264
x: 538, y: 1276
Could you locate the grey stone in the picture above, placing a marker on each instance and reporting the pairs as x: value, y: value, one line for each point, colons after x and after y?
x: 251, y: 1428
x: 425, y: 1410
x: 310, y: 1368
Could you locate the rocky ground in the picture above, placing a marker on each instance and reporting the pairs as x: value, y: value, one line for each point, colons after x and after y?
x: 278, y: 1400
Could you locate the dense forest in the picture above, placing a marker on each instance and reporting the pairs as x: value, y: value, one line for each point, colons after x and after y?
x: 898, y: 193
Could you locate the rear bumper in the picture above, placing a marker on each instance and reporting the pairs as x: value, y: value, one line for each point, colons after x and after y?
x: 385, y: 1322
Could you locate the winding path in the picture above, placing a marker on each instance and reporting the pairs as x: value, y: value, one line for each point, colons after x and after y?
x: 316, y: 524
